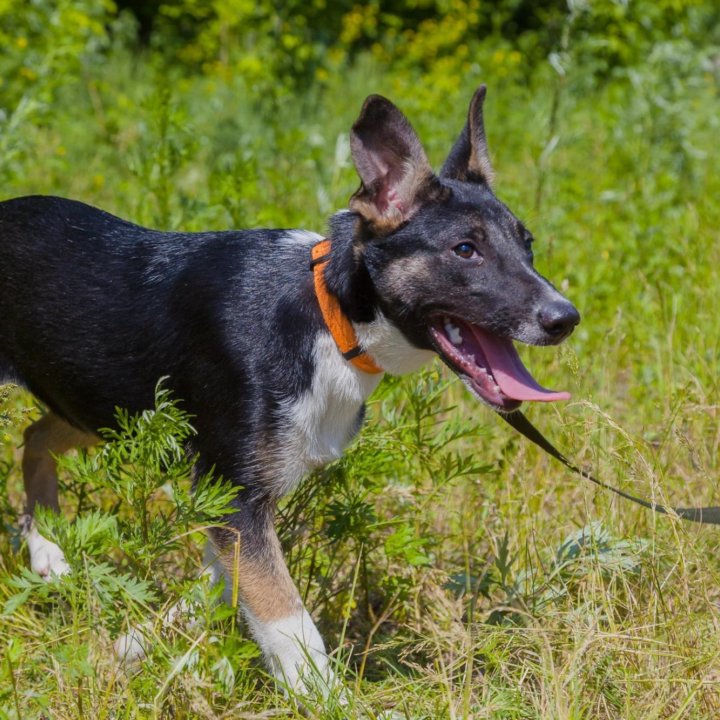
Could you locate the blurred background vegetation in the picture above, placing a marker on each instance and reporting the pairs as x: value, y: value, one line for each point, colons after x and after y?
x: 463, y: 557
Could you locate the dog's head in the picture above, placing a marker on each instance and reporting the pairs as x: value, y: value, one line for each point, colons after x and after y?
x: 452, y: 266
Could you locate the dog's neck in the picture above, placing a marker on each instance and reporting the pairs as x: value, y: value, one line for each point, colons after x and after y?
x: 389, y: 348
x: 345, y: 274
x: 348, y: 279
x: 342, y: 330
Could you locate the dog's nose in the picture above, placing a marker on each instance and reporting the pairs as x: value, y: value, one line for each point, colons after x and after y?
x: 559, y: 319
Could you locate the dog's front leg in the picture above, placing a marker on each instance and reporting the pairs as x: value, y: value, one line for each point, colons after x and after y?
x: 249, y: 552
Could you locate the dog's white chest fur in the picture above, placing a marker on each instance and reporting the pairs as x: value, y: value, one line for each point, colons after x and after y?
x: 325, y: 418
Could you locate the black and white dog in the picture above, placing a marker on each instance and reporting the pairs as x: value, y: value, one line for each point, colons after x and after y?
x: 272, y: 352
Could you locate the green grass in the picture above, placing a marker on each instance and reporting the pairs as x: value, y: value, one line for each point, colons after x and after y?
x: 459, y: 571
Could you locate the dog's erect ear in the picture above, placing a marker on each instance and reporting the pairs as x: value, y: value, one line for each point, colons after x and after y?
x: 394, y: 170
x: 469, y: 160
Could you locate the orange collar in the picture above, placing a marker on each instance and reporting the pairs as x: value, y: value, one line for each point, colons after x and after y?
x: 337, y: 323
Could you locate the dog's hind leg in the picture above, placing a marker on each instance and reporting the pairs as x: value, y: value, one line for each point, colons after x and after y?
x: 44, y: 440
x: 256, y: 574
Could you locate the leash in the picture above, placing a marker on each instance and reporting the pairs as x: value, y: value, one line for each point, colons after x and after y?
x: 518, y: 421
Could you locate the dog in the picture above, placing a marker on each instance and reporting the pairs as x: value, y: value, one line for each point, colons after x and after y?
x: 272, y: 339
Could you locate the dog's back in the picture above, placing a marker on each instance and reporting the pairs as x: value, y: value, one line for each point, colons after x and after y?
x: 94, y: 309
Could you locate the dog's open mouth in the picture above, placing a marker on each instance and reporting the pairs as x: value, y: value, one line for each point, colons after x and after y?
x: 488, y: 364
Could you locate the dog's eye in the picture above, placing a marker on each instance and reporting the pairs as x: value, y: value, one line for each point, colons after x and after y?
x: 466, y: 251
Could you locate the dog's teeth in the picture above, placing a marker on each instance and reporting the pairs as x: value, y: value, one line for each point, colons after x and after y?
x: 453, y: 333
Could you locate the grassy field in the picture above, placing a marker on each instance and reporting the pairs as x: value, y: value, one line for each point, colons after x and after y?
x: 458, y: 572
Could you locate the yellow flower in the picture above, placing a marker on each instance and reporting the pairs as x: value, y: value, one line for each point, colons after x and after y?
x: 498, y: 57
x: 22, y: 42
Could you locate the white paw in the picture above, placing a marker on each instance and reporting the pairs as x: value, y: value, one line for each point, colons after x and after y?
x: 133, y: 646
x: 46, y: 558
x: 296, y: 654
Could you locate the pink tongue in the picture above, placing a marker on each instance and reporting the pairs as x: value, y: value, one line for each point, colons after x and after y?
x: 509, y: 372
